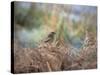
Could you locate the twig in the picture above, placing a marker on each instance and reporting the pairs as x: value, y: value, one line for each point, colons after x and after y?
x: 48, y: 65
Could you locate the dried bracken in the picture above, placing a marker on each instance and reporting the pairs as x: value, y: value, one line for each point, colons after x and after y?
x: 48, y: 57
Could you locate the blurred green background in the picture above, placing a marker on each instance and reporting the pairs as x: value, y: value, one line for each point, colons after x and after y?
x: 34, y: 21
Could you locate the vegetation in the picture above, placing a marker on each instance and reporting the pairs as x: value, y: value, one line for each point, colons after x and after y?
x: 73, y: 46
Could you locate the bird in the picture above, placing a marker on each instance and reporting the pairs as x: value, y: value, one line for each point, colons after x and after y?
x: 50, y: 37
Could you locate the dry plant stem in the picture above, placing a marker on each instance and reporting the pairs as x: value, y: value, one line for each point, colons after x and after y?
x: 48, y: 65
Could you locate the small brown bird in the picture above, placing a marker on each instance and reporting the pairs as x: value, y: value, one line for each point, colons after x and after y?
x: 50, y: 37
